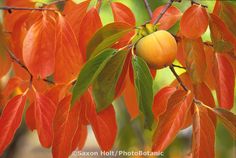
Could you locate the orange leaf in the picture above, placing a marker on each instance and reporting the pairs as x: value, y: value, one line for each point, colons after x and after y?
x: 122, y: 13
x: 185, y: 79
x: 30, y: 117
x: 105, y: 128
x: 195, y: 59
x: 11, y: 18
x: 10, y: 120
x: 221, y: 34
x: 130, y: 98
x: 194, y: 22
x: 203, y: 93
x: 203, y: 134
x: 224, y: 76
x: 74, y: 14
x: 68, y: 57
x: 209, y: 78
x: 37, y: 55
x: 44, y: 113
x: 172, y: 120
x: 89, y: 25
x: 171, y: 16
x: 64, y: 128
x: 103, y: 124
x: 161, y: 100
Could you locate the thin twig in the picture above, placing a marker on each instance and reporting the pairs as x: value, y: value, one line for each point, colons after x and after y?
x: 99, y: 4
x: 10, y: 8
x: 167, y: 6
x: 178, y: 66
x: 16, y: 60
x: 148, y: 8
x: 55, y: 2
x: 178, y: 78
x: 194, y: 2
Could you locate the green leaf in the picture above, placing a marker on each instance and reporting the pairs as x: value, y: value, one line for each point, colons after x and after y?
x: 143, y: 85
x: 222, y: 46
x: 106, y: 37
x: 89, y: 73
x: 104, y: 87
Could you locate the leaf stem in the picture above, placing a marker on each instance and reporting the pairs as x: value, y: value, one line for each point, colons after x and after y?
x: 148, y: 8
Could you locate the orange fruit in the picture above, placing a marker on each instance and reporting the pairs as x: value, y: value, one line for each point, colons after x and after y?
x: 158, y: 49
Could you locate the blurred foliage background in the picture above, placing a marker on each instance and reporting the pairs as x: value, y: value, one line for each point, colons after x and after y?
x: 132, y: 136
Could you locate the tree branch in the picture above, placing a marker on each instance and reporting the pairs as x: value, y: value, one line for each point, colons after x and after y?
x: 16, y: 60
x: 178, y: 78
x: 167, y: 6
x: 194, y: 2
x: 10, y: 8
x: 148, y: 8
x: 179, y: 66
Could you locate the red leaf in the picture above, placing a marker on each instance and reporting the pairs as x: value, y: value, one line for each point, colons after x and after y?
x: 203, y: 134
x: 194, y: 22
x: 74, y: 14
x: 225, y: 82
x: 11, y: 18
x: 209, y: 77
x: 203, y: 93
x: 105, y: 128
x: 161, y: 100
x: 44, y: 113
x: 89, y: 25
x: 64, y: 126
x: 130, y: 98
x: 103, y: 124
x: 171, y: 16
x: 172, y: 120
x: 195, y: 59
x: 39, y: 56
x: 68, y: 57
x: 10, y: 120
x: 30, y: 117
x: 122, y: 13
x: 221, y: 33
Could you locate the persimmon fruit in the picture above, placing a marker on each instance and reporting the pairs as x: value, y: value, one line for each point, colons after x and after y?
x: 158, y: 49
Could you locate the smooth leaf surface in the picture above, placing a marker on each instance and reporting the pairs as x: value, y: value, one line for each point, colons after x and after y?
x: 171, y: 16
x: 89, y: 73
x: 143, y: 85
x: 194, y: 22
x: 39, y: 56
x: 122, y: 13
x: 44, y: 113
x: 161, y: 100
x: 228, y: 119
x: 104, y: 87
x: 224, y: 75
x: 10, y: 120
x: 203, y: 145
x: 105, y: 37
x: 195, y: 59
x: 89, y: 25
x: 68, y: 57
x: 64, y: 128
x: 172, y: 120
